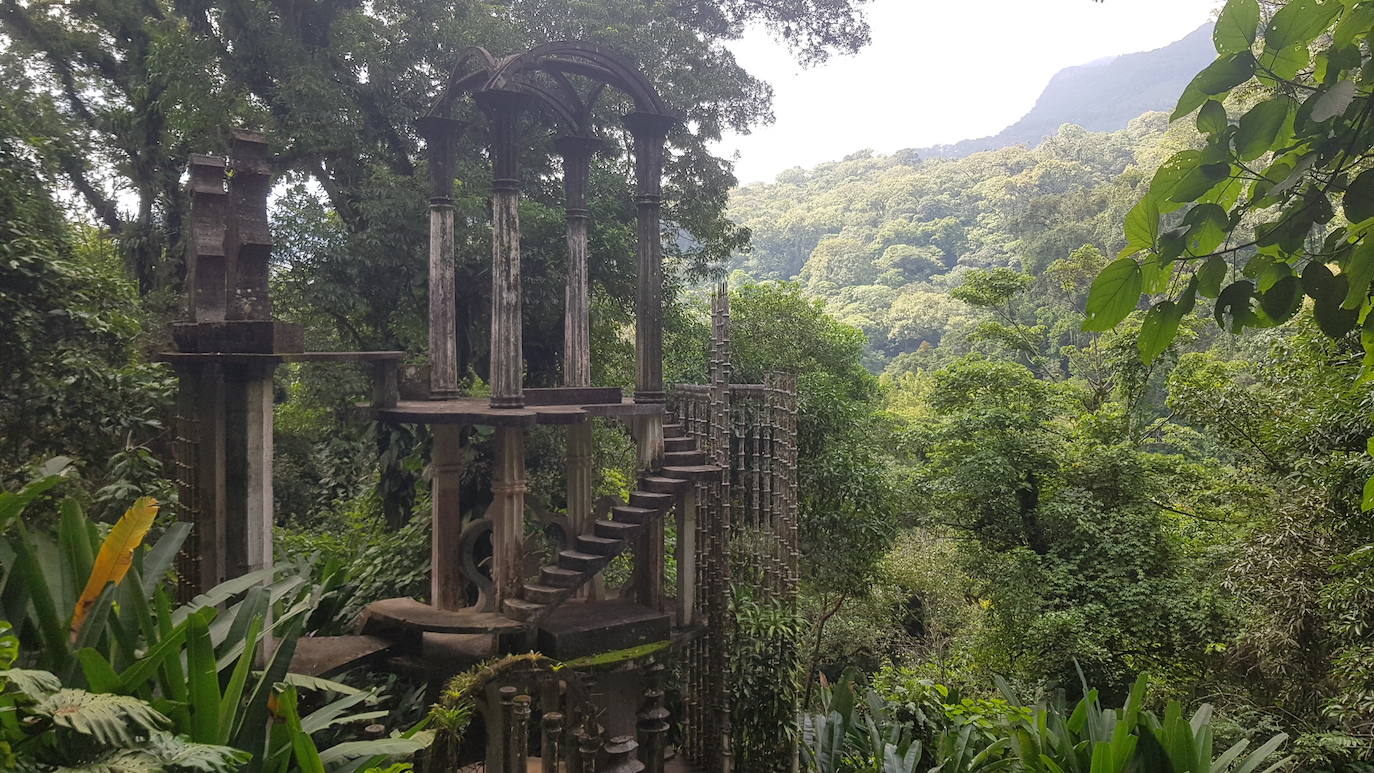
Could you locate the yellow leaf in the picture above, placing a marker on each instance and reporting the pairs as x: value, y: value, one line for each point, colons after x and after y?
x: 116, y: 555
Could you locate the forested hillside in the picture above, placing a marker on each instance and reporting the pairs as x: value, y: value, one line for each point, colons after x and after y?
x: 883, y: 239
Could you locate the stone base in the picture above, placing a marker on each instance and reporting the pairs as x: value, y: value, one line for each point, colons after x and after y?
x: 239, y: 336
x: 580, y: 628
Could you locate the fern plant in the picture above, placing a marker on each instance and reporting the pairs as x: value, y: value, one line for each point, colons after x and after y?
x: 48, y: 727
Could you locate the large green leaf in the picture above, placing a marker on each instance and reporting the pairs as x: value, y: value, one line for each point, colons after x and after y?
x: 1219, y: 77
x: 1114, y: 293
x: 1158, y: 329
x: 1259, y: 127
x: 1210, y: 276
x: 1237, y: 26
x: 1358, y: 271
x: 1299, y: 23
x: 1358, y: 202
x: 1333, y: 101
x: 1142, y: 225
x: 1211, y: 119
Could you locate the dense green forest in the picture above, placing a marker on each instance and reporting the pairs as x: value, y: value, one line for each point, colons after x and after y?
x: 1083, y: 431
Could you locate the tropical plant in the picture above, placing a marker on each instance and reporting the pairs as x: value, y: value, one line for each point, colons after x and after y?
x: 119, y: 635
x: 1090, y: 739
x: 765, y: 675
x: 45, y: 726
x: 847, y: 735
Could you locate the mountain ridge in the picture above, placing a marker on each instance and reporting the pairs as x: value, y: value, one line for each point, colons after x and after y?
x: 1101, y: 95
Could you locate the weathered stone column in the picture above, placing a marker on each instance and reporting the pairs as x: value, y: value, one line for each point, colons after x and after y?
x: 440, y: 135
x: 502, y: 109
x: 650, y: 131
x: 652, y: 720
x: 446, y: 590
x: 577, y: 152
x: 577, y: 155
x: 687, y: 557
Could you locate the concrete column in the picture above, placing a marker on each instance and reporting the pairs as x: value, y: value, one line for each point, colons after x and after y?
x: 502, y: 109
x: 248, y: 242
x: 508, y: 509
x: 206, y: 261
x: 248, y: 512
x: 577, y: 155
x: 440, y: 135
x: 687, y: 557
x: 446, y: 515
x: 650, y: 131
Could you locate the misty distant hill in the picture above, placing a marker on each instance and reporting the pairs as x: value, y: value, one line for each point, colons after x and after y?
x: 1100, y: 96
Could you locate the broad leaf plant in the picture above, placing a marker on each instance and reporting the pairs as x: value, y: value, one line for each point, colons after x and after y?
x: 1277, y: 206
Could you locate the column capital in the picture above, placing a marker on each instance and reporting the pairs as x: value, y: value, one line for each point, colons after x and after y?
x: 440, y: 135
x: 573, y: 147
x: 649, y: 125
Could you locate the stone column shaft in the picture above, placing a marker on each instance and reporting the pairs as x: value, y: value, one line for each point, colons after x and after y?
x: 650, y: 131
x: 507, y: 351
x: 440, y: 135
x: 446, y: 518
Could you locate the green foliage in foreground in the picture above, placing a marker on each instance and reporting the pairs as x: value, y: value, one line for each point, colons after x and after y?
x: 1274, y: 200
x: 868, y: 732
x: 177, y: 681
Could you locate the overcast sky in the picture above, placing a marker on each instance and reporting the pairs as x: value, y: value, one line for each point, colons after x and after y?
x: 938, y: 71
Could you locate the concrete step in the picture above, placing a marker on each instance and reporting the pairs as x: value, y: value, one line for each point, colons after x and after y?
x: 659, y: 502
x: 634, y: 515
x: 522, y: 610
x: 683, y: 458
x: 673, y: 430
x: 582, y: 562
x: 600, y: 546
x: 545, y: 594
x: 621, y: 530
x: 662, y: 484
x: 559, y: 577
x: 692, y: 471
x: 679, y: 444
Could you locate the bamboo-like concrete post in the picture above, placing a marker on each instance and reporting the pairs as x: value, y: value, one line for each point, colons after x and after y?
x: 502, y: 109
x: 551, y: 742
x: 440, y: 135
x: 652, y: 722
x: 650, y: 132
x: 518, y: 734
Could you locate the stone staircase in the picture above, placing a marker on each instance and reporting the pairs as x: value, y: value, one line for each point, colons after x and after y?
x: 652, y: 499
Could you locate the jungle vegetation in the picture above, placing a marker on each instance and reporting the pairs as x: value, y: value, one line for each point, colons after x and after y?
x: 1083, y: 427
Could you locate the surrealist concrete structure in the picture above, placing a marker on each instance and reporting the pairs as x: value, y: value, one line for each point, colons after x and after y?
x: 716, y: 462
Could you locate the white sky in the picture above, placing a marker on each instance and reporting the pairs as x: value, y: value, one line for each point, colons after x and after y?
x: 938, y: 71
